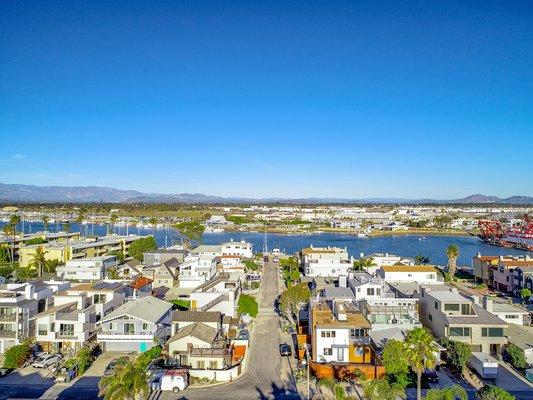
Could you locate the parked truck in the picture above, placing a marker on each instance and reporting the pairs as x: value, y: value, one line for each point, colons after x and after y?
x: 172, y: 379
x: 484, y: 364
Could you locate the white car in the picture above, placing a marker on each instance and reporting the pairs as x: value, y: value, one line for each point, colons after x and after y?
x: 46, y: 360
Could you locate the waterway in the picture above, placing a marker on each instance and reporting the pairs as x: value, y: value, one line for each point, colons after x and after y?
x: 433, y: 247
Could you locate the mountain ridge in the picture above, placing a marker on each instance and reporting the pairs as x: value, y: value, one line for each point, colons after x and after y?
x: 93, y: 194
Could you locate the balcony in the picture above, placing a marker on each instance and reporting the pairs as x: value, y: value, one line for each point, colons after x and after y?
x: 8, y: 317
x: 66, y: 335
x: 8, y: 334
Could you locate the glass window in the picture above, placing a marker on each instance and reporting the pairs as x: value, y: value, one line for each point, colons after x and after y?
x: 430, y: 317
x: 129, y: 328
x: 436, y: 306
x: 43, y: 329
x: 492, y: 332
x: 328, y: 351
x: 459, y: 331
x: 451, y: 307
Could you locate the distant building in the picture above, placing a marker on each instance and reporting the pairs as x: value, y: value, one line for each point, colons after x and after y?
x: 155, y: 257
x: 89, y: 269
x: 409, y: 273
x: 325, y: 261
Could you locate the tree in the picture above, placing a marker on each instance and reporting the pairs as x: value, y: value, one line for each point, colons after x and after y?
x: 45, y: 220
x: 516, y: 355
x: 13, y: 221
x: 25, y: 274
x: 420, y: 351
x: 251, y: 265
x: 452, y: 252
x: 142, y: 245
x: 525, y: 294
x: 247, y: 305
x: 38, y: 260
x: 4, y: 254
x: 290, y: 270
x: 79, y: 219
x: 83, y: 360
x: 421, y: 260
x: 128, y: 382
x: 292, y: 300
x: 363, y: 264
x: 9, y: 230
x: 455, y: 392
x: 491, y: 392
x: 112, y: 273
x: 66, y: 228
x: 381, y: 389
x: 113, y: 219
x: 191, y: 230
x: 35, y: 240
x: 15, y: 356
x: 458, y: 354
x: 394, y: 361
x: 119, y: 254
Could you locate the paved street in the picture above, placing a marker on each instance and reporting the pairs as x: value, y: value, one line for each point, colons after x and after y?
x: 262, y: 379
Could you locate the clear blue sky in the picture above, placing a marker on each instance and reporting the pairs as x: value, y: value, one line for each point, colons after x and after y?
x: 329, y: 99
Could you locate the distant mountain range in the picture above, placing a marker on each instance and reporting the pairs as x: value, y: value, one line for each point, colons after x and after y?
x: 10, y: 193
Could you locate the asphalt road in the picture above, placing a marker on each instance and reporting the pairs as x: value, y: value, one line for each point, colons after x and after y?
x: 262, y: 380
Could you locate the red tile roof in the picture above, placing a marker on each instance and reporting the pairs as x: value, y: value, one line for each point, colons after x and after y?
x: 140, y: 282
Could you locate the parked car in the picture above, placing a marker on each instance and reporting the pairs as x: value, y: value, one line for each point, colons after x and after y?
x: 174, y: 380
x: 5, y: 371
x: 110, y: 369
x: 430, y: 376
x: 46, y: 360
x: 285, y: 350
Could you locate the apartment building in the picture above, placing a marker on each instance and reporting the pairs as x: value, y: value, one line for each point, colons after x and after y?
x: 451, y: 315
x: 241, y: 248
x: 19, y: 303
x: 21, y: 240
x: 523, y: 279
x: 73, y: 250
x: 86, y: 269
x: 325, y: 261
x: 486, y: 269
x: 137, y: 325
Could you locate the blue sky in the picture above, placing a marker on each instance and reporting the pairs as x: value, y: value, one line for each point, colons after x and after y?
x: 326, y: 99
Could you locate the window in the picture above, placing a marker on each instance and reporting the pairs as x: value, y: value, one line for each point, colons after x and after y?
x: 511, y: 317
x: 436, y: 306
x: 66, y: 329
x: 370, y: 292
x: 358, y: 351
x: 200, y: 364
x: 340, y: 355
x: 145, y: 326
x: 357, y: 333
x: 465, y: 309
x: 129, y: 328
x: 430, y: 317
x: 323, y: 334
x: 42, y: 329
x: 328, y: 351
x: 492, y: 332
x: 451, y: 307
x: 213, y: 364
x: 459, y: 331
x: 99, y: 298
x: 111, y: 326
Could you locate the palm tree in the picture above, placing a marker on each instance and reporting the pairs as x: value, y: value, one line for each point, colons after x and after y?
x: 363, y: 264
x: 452, y: 252
x: 129, y: 381
x: 113, y: 220
x: 420, y: 351
x: 153, y: 221
x: 13, y: 221
x: 66, y: 228
x: 421, y: 260
x: 8, y: 231
x: 79, y: 220
x: 38, y: 260
x: 45, y: 222
x: 455, y: 392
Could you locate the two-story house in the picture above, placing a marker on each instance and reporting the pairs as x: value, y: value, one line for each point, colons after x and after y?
x: 136, y: 325
x: 325, y: 261
x: 451, y: 315
x: 221, y: 293
x: 159, y: 256
x: 86, y: 269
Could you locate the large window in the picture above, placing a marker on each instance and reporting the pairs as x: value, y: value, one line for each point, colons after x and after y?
x: 459, y: 331
x: 451, y: 307
x: 129, y: 328
x: 328, y: 351
x: 99, y: 298
x: 42, y: 329
x: 357, y: 333
x: 66, y: 329
x: 492, y: 332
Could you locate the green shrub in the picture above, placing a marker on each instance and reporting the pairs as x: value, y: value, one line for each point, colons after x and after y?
x: 15, y: 356
x: 247, y: 305
x: 458, y: 354
x: 491, y: 392
x: 516, y: 354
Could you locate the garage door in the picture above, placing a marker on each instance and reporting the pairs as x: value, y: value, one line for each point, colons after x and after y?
x: 121, y: 346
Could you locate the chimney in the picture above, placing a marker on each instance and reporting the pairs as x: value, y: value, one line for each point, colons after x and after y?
x: 487, y: 303
x: 340, y: 312
x: 475, y: 299
x: 478, y: 254
x: 343, y: 280
x: 361, y: 255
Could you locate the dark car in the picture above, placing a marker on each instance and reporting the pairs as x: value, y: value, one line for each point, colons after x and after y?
x: 430, y: 376
x: 285, y: 349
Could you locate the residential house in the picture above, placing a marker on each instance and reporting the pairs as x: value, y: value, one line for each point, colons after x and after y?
x: 425, y: 274
x: 196, y: 270
x: 86, y: 269
x: 522, y: 337
x: 523, y: 279
x: 166, y: 274
x: 451, y: 315
x: 221, y: 293
x: 19, y: 303
x: 130, y: 269
x: 242, y: 249
x: 158, y: 257
x: 211, y: 250
x: 386, y: 313
x: 483, y: 268
x: 136, y: 325
x: 339, y: 337
x: 139, y: 287
x: 68, y: 325
x: 385, y: 259
x: 106, y: 296
x: 506, y: 312
x: 504, y: 273
x: 325, y: 261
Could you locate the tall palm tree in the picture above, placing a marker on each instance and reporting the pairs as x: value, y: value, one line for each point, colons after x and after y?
x: 8, y: 231
x: 421, y: 260
x: 13, y: 221
x: 45, y: 222
x: 153, y: 221
x: 66, y: 228
x: 39, y: 261
x: 79, y: 220
x: 420, y: 351
x: 452, y: 252
x: 113, y: 220
x: 363, y: 264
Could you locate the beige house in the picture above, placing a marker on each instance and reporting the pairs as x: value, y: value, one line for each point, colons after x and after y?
x: 451, y: 315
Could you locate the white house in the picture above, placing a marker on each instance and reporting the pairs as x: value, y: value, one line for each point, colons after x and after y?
x: 196, y: 270
x: 385, y: 259
x: 506, y: 312
x: 86, y: 269
x: 325, y: 261
x: 366, y: 286
x: 426, y: 274
x: 218, y: 294
x: 137, y: 325
x: 241, y: 248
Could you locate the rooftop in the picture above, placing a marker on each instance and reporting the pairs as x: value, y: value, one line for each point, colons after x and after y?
x: 323, y: 317
x: 196, y: 316
x: 198, y: 330
x: 146, y: 308
x: 409, y: 268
